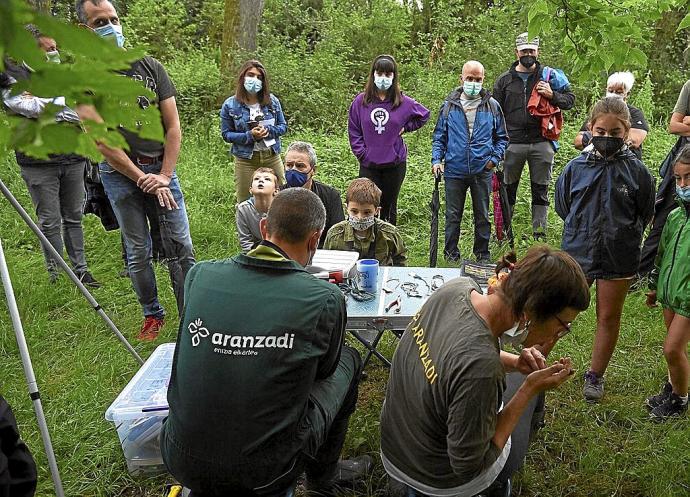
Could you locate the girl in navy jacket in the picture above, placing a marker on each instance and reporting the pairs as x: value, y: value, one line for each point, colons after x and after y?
x: 606, y: 198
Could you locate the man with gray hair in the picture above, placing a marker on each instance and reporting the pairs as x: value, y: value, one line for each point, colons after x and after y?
x: 300, y: 168
x: 262, y: 385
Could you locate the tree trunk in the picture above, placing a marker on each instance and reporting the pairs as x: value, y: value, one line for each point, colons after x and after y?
x: 240, y: 26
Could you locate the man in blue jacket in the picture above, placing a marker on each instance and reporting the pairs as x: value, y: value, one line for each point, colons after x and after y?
x: 469, y: 141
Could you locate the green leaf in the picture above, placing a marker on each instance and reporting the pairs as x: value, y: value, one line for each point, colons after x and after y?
x: 638, y: 56
x: 684, y: 23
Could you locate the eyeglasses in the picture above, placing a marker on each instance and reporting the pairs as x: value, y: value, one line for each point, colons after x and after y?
x: 566, y: 327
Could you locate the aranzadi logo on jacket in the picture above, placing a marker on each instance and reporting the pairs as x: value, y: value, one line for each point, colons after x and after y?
x: 227, y: 343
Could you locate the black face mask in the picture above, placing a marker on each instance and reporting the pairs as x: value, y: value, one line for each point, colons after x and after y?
x: 528, y: 60
x: 607, y: 146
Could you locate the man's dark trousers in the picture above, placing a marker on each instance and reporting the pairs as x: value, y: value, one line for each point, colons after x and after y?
x: 331, y: 403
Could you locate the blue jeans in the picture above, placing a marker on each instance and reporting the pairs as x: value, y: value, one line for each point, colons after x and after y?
x: 456, y: 192
x: 131, y: 205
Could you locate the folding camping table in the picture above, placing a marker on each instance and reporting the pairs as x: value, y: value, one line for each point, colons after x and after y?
x: 368, y: 321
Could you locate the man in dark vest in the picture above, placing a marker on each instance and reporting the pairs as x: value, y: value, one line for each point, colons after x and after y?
x: 262, y: 386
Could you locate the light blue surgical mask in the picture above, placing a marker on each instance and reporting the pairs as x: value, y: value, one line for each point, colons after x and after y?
x: 252, y: 85
x: 382, y: 82
x: 683, y: 193
x: 471, y: 88
x: 53, y: 56
x: 111, y: 32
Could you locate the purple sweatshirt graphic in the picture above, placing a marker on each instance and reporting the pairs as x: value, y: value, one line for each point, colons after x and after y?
x: 374, y: 129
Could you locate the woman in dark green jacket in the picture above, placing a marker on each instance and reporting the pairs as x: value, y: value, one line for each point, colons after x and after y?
x: 670, y: 284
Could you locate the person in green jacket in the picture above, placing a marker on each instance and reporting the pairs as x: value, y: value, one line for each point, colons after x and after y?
x: 363, y: 231
x: 262, y: 386
x: 670, y: 285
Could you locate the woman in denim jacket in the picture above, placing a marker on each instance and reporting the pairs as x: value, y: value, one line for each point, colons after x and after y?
x: 253, y: 121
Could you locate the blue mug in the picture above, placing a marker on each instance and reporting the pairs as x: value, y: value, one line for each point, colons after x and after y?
x: 368, y: 272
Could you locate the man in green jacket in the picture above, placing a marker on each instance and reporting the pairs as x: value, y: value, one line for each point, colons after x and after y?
x: 262, y: 386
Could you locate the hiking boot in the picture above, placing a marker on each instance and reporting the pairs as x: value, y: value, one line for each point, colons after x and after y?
x: 660, y: 398
x: 673, y: 406
x: 348, y: 474
x: 150, y: 329
x: 88, y: 280
x: 593, y: 389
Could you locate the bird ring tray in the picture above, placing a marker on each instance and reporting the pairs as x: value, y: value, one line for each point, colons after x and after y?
x: 401, y: 292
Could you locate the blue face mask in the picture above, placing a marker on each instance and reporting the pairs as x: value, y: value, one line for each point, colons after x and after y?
x: 382, y: 82
x: 294, y: 178
x: 252, y: 85
x: 683, y: 193
x: 111, y: 32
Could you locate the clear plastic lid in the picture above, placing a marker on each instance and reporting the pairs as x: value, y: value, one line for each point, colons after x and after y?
x: 147, y: 393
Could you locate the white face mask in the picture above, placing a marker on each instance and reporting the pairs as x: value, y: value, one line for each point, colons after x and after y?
x: 516, y: 337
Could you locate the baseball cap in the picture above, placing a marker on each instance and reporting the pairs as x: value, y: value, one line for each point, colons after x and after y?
x: 523, y: 43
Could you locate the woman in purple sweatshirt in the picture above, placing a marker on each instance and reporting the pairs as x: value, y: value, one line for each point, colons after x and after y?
x: 377, y: 119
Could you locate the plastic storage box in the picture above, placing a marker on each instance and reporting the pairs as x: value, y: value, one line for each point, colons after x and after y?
x: 139, y: 410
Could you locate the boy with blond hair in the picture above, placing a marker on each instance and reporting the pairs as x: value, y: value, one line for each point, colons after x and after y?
x: 363, y: 231
x: 263, y: 188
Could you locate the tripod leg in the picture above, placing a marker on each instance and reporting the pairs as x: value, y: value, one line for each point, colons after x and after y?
x: 29, y: 373
x: 61, y: 262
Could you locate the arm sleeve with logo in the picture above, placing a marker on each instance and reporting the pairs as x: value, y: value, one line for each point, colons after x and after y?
x: 330, y: 333
x: 471, y: 425
x: 638, y: 120
x: 17, y: 468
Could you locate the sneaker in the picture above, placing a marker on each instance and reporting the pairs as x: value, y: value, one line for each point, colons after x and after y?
x: 593, y: 389
x: 673, y: 406
x: 452, y: 258
x: 53, y: 278
x: 150, y: 329
x: 88, y: 280
x: 539, y: 237
x: 348, y: 474
x: 660, y: 398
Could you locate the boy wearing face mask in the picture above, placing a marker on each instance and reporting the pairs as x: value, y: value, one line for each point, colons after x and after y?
x: 469, y: 141
x: 606, y: 198
x: 512, y: 90
x: 363, y: 231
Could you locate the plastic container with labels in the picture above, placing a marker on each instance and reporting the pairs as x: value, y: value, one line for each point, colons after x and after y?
x: 138, y: 412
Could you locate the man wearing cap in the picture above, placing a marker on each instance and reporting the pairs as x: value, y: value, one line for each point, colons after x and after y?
x: 512, y: 90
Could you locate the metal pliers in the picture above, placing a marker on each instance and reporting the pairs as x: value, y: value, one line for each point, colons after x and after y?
x: 395, y: 304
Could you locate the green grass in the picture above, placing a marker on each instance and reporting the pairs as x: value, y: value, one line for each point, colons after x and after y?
x: 602, y: 450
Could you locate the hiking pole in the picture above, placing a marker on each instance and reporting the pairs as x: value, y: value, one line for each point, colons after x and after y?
x: 58, y: 258
x: 29, y: 373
